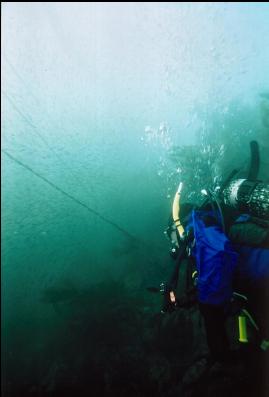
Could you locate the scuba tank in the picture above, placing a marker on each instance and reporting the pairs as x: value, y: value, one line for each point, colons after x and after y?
x: 248, y: 196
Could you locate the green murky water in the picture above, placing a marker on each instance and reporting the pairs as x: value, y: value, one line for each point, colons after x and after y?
x: 106, y: 107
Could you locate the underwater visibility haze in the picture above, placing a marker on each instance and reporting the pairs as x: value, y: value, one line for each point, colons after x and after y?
x: 106, y: 107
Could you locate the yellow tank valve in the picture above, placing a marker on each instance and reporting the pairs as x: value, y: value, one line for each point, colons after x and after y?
x: 242, y: 324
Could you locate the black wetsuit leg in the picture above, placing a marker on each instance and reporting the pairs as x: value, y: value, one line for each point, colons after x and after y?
x: 259, y: 306
x: 217, y: 339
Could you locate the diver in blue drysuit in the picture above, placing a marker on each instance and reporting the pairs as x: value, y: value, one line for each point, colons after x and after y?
x: 237, y: 260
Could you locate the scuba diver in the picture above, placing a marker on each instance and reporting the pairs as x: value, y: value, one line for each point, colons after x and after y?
x: 226, y: 244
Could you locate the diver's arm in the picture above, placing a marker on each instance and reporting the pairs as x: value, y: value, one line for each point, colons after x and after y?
x: 173, y: 281
x: 181, y: 244
x: 170, y: 301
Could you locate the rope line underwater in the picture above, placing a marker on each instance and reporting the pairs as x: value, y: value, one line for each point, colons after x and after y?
x: 150, y: 259
x: 63, y: 192
x: 71, y: 197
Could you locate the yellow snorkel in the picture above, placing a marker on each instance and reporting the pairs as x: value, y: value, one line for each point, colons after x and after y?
x: 176, y: 211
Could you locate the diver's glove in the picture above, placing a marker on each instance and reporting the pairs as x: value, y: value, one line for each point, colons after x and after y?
x: 169, y: 301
